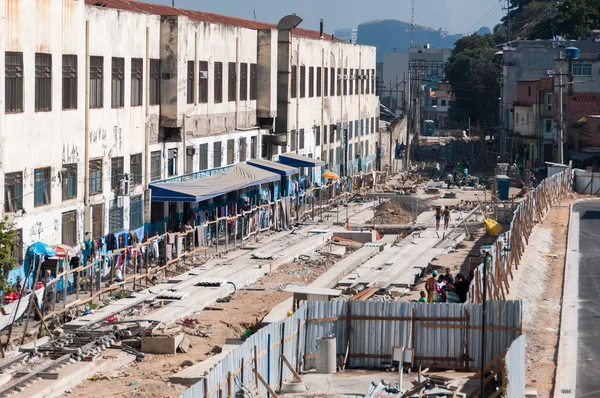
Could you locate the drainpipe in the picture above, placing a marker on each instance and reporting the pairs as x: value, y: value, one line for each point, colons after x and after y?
x: 147, y: 106
x: 298, y: 80
x: 237, y: 80
x: 323, y: 139
x: 86, y: 165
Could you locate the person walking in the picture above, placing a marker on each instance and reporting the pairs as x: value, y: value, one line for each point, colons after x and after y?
x: 446, y: 217
x: 438, y: 217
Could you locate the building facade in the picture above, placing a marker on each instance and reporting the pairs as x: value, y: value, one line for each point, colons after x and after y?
x: 101, y: 99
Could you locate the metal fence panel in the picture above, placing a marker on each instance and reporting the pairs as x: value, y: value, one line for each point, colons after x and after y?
x: 587, y: 182
x: 515, y: 368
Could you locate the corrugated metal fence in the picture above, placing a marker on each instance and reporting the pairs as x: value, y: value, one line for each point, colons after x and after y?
x: 515, y: 368
x: 445, y: 333
x: 587, y: 182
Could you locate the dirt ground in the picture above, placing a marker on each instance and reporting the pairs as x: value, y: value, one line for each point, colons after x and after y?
x: 151, y: 377
x: 392, y: 212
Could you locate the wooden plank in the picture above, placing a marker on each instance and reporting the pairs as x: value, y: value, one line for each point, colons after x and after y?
x: 291, y: 368
x: 264, y: 383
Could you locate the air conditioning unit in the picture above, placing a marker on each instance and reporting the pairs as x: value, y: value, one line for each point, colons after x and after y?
x: 203, y: 74
x: 190, y: 151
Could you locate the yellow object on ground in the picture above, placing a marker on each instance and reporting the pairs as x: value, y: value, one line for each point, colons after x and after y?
x: 492, y: 226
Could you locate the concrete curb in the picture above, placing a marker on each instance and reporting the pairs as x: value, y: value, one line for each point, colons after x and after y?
x: 566, y: 365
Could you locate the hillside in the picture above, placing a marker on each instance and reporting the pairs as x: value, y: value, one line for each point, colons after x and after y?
x: 388, y: 34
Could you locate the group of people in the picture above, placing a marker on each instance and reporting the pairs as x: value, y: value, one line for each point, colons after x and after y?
x: 446, y: 288
x: 439, y: 214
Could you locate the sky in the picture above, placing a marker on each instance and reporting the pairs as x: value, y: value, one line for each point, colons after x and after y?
x: 456, y: 16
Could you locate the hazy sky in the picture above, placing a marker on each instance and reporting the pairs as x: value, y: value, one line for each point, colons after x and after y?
x: 456, y: 16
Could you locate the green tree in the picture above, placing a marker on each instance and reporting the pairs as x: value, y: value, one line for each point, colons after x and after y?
x: 474, y: 78
x: 573, y: 19
x: 7, y: 245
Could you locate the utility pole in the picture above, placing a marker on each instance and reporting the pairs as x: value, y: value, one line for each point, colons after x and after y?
x: 560, y: 111
x: 412, y: 27
x: 508, y: 19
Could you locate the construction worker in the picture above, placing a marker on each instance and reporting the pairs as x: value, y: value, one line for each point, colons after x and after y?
x: 430, y: 286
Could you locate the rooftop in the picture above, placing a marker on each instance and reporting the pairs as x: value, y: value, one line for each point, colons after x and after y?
x: 158, y: 9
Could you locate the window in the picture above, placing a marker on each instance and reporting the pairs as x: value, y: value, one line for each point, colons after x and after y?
x: 135, y: 169
x: 325, y: 81
x: 243, y: 81
x: 582, y: 70
x: 253, y: 80
x: 118, y: 82
x: 311, y: 81
x: 13, y: 192
x: 17, y: 252
x: 13, y: 81
x: 301, y: 143
x: 302, y: 81
x: 172, y: 162
x: 373, y: 129
x: 330, y: 157
x: 253, y: 147
x: 331, y: 134
x: 373, y: 79
x: 137, y: 74
x: 356, y: 79
x: 351, y: 81
x: 203, y: 156
x: 243, y: 149
x: 203, y: 82
x: 154, y: 82
x: 95, y: 176
x: 317, y: 136
x: 339, y: 83
x: 356, y: 153
x: 338, y: 131
x: 443, y: 102
x: 366, y: 144
x: 356, y: 128
x: 69, y: 228
x: 293, y: 82
x: 362, y: 127
x: 368, y: 78
x: 293, y: 140
x: 96, y: 82
x: 190, y: 82
x: 43, y: 82
x: 42, y: 188
x: 332, y: 81
x: 345, y: 77
x: 97, y: 221
x: 115, y: 216
x: 548, y: 126
x: 350, y: 152
x: 155, y: 165
x: 217, y: 154
x: 218, y: 82
x: 549, y: 100
x: 529, y: 91
x: 136, y: 212
x: 366, y: 126
x: 362, y: 81
x: 116, y: 172
x: 350, y: 125
x: 230, y: 151
x: 68, y: 177
x: 232, y: 84
x: 319, y: 71
x: 69, y: 81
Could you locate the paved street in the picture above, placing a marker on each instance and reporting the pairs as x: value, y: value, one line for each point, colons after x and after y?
x: 588, y: 346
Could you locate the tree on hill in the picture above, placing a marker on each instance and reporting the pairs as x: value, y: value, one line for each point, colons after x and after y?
x: 474, y: 78
x: 573, y: 19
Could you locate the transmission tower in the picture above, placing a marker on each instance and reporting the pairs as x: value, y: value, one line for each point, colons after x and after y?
x: 412, y: 27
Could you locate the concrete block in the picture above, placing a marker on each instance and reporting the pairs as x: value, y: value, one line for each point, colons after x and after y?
x: 357, y: 236
x: 161, y: 344
x: 531, y: 394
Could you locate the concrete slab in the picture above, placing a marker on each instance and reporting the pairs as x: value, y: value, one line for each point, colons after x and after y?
x: 357, y: 236
x: 166, y: 345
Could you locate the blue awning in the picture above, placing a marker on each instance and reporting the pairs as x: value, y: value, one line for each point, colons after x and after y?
x: 238, y: 177
x: 273, y: 167
x: 293, y: 159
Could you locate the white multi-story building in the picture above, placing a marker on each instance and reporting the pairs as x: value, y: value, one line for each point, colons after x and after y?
x: 100, y: 99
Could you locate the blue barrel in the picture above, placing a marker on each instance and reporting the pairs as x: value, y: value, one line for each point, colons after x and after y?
x: 503, y: 183
x: 572, y: 53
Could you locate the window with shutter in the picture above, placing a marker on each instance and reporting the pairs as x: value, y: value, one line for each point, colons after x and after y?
x: 69, y: 81
x: 43, y: 82
x: 13, y: 82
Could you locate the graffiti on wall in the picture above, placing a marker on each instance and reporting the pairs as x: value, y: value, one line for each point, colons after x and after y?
x: 70, y: 154
x: 97, y: 135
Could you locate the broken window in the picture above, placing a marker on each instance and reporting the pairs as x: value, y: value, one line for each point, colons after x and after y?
x: 137, y: 73
x: 253, y: 82
x: 118, y: 82
x: 17, y: 252
x: 13, y: 82
x: 232, y: 84
x: 13, y: 192
x: 116, y: 172
x: 294, y: 81
x: 68, y: 176
x: 154, y: 82
x: 203, y: 82
x: 43, y: 82
x: 243, y: 81
x: 218, y: 82
x: 95, y: 176
x: 69, y: 81
x: 190, y: 82
x: 135, y: 168
x: 311, y: 81
x: 42, y: 187
x: 172, y: 162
